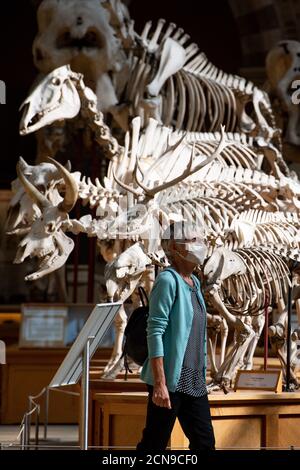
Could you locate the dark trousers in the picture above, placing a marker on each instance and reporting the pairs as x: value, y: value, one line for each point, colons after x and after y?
x: 193, y: 414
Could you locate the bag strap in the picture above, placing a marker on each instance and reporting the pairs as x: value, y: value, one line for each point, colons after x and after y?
x: 143, y: 296
x: 126, y: 365
x: 196, y: 281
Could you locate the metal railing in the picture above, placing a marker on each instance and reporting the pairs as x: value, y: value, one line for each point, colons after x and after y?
x: 24, y: 435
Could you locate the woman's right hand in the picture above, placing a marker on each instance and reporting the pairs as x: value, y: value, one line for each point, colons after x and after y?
x: 161, y: 396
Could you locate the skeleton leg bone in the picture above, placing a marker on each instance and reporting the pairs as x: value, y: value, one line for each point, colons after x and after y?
x: 244, y: 335
x: 258, y: 323
x: 213, y: 328
x: 278, y: 336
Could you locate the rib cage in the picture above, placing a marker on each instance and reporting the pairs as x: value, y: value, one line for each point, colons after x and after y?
x: 199, y: 97
x: 251, y: 293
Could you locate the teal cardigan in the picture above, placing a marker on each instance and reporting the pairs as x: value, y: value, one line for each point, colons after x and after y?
x: 169, y: 325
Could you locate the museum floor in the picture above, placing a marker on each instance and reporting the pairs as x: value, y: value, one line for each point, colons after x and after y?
x: 59, y: 436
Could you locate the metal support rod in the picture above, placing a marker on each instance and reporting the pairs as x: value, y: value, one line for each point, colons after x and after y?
x: 92, y: 241
x: 46, y: 413
x: 266, y: 330
x: 28, y: 422
x: 78, y: 152
x: 85, y: 395
x: 288, y: 335
x: 37, y: 423
x: 25, y: 432
x: 22, y: 436
x: 75, y: 267
x: 91, y: 269
x: 28, y: 425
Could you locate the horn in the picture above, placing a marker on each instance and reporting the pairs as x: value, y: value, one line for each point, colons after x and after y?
x: 71, y: 194
x: 31, y: 190
x: 26, y: 169
x: 123, y: 185
x: 68, y: 165
x: 19, y: 231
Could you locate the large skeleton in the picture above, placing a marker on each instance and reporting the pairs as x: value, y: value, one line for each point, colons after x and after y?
x: 240, y: 282
x: 157, y: 73
x: 236, y: 187
x: 63, y: 94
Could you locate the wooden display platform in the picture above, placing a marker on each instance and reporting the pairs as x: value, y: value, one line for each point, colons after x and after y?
x: 241, y: 420
x: 118, y: 407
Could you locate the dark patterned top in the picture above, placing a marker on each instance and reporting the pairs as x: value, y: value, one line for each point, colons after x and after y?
x: 191, y: 380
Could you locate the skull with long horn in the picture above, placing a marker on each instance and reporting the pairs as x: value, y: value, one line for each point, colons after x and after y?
x: 46, y: 238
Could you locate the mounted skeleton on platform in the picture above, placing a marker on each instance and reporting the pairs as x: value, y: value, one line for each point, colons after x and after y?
x: 158, y: 73
x: 139, y: 209
x: 191, y: 172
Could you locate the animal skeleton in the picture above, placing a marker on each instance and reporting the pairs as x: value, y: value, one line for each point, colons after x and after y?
x: 237, y: 188
x: 122, y: 66
x: 189, y: 92
x: 155, y: 74
x: 134, y: 210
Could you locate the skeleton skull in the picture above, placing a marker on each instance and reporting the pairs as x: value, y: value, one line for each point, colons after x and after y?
x: 80, y: 33
x: 47, y: 242
x: 283, y: 69
x: 55, y: 98
x: 89, y: 35
x: 124, y: 272
x: 222, y: 264
x: 45, y: 238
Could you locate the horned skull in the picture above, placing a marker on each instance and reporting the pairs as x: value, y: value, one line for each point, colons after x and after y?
x: 46, y: 238
x: 23, y: 209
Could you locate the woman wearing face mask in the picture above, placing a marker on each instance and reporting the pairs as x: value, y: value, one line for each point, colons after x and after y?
x: 175, y: 370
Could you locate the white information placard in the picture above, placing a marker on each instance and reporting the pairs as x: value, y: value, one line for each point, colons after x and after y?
x: 43, y: 326
x: 270, y: 380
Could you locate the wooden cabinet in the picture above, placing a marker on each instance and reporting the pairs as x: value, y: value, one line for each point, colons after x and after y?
x: 241, y: 420
x: 27, y: 372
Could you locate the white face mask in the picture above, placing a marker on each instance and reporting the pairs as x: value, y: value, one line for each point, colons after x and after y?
x: 197, y: 252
